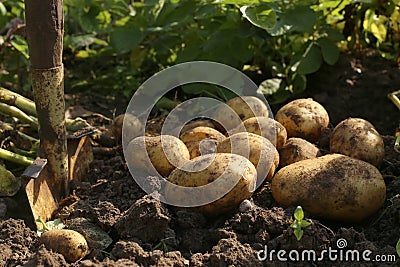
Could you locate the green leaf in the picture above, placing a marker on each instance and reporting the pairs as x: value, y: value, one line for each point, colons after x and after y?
x: 298, y: 233
x: 3, y: 10
x: 300, y: 19
x: 398, y: 247
x: 270, y: 86
x: 298, y: 213
x: 310, y: 61
x: 330, y: 51
x: 304, y: 223
x: 95, y: 20
x: 261, y: 15
x: 20, y: 45
x: 124, y: 39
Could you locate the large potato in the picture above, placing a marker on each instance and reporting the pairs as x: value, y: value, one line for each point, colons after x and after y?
x: 304, y: 118
x: 197, y: 123
x: 297, y: 149
x: 165, y: 152
x: 357, y: 138
x: 259, y: 150
x: 71, y: 244
x: 221, y: 169
x: 132, y: 128
x: 244, y: 106
x: 201, y: 140
x: 334, y: 187
x: 266, y: 127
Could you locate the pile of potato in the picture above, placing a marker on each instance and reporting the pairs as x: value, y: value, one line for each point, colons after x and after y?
x: 345, y: 185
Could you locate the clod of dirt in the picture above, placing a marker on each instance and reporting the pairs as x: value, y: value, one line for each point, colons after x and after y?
x: 18, y: 238
x: 147, y: 219
x: 106, y: 214
x: 230, y: 252
x: 109, y: 263
x: 44, y: 257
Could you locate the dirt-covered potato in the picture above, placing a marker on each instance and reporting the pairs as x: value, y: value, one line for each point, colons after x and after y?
x: 233, y: 179
x: 201, y: 140
x: 297, y: 149
x: 71, y: 244
x: 197, y: 123
x: 165, y: 153
x: 259, y: 150
x: 334, y: 187
x: 133, y: 127
x: 357, y: 138
x: 244, y: 106
x: 304, y: 118
x: 266, y: 127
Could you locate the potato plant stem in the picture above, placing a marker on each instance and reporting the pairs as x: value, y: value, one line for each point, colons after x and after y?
x: 13, y: 157
x: 17, y: 113
x: 14, y: 99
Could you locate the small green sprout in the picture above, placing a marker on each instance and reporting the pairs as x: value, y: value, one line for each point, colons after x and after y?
x: 299, y: 223
x: 162, y: 245
x: 398, y: 247
x: 50, y: 225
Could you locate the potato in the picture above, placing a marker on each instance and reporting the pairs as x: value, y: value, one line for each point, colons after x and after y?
x: 259, y: 150
x: 201, y: 140
x: 357, y: 138
x: 165, y: 153
x: 233, y: 177
x: 297, y: 149
x: 133, y: 127
x: 244, y: 106
x: 197, y: 123
x: 304, y: 118
x: 266, y: 127
x: 334, y: 187
x: 71, y: 244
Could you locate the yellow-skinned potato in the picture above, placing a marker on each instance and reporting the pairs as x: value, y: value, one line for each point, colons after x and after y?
x: 334, y: 187
x: 210, y: 168
x: 357, y: 138
x: 259, y: 150
x: 304, y: 118
x: 133, y: 127
x: 244, y: 106
x: 165, y: 152
x: 201, y: 140
x: 266, y: 127
x: 297, y: 149
x: 193, y: 124
x: 71, y: 244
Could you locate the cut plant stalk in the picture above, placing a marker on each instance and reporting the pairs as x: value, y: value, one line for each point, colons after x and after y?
x: 29, y: 107
x: 16, y: 158
x: 19, y: 114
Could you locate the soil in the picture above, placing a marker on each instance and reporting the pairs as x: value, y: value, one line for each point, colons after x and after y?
x: 145, y: 232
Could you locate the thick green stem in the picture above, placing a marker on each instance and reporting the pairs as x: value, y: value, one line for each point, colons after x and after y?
x: 13, y: 157
x: 14, y: 99
x: 19, y: 114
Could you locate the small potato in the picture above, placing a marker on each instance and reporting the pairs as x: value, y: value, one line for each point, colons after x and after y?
x: 266, y: 127
x: 304, y: 118
x: 233, y: 179
x: 357, y: 138
x: 165, y: 152
x: 71, y: 244
x: 259, y: 150
x: 201, y: 140
x: 244, y: 106
x: 133, y: 127
x: 334, y: 187
x: 297, y: 149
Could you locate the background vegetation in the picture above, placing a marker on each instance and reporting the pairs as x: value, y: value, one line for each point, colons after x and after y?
x: 114, y: 45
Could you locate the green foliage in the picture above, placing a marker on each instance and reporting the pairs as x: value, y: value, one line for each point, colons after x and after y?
x: 49, y: 225
x: 299, y: 223
x: 114, y: 45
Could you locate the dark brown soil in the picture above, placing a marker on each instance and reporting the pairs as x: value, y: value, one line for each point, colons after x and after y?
x: 146, y: 232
